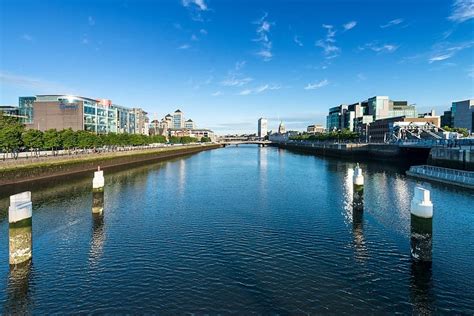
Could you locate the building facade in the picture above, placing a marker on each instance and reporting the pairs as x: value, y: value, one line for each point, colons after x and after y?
x: 189, y: 124
x: 262, y: 129
x: 463, y: 114
x: 25, y: 105
x: 81, y: 113
x: 315, y: 129
x: 178, y: 119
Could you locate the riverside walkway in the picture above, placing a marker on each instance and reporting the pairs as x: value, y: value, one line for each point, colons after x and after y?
x: 445, y: 175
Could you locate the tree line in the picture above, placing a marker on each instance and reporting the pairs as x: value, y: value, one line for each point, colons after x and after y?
x: 15, y: 138
x: 341, y: 135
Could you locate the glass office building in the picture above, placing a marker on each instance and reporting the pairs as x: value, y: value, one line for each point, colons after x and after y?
x: 25, y: 108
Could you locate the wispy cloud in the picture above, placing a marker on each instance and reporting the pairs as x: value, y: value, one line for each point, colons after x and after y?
x: 263, y: 32
x: 316, y: 85
x: 235, y: 78
x: 27, y: 37
x: 196, y: 8
x: 34, y: 84
x: 462, y: 11
x: 392, y: 23
x: 328, y: 44
x: 445, y: 51
x: 361, y: 77
x: 91, y: 20
x: 217, y: 93
x: 197, y: 4
x: 379, y: 48
x: 260, y: 89
x: 203, y: 31
x: 194, y: 38
x: 297, y: 41
x: 232, y: 81
x: 349, y: 25
x: 184, y: 46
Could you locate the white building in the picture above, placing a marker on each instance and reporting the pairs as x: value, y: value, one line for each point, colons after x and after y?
x: 178, y: 119
x: 262, y: 127
x: 189, y: 124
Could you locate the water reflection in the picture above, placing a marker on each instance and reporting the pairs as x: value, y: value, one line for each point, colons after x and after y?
x: 98, y: 238
x: 361, y: 253
x: 421, y: 238
x: 421, y: 285
x: 18, y: 297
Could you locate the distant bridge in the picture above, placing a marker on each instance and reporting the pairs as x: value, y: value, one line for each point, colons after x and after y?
x: 262, y: 143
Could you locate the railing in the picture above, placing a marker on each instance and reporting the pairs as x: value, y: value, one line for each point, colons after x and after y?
x: 453, y: 175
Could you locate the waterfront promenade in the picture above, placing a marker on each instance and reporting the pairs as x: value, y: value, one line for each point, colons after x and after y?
x: 48, y: 165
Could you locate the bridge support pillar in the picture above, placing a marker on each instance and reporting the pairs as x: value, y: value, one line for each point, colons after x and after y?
x: 421, y: 236
x: 98, y: 192
x: 20, y: 228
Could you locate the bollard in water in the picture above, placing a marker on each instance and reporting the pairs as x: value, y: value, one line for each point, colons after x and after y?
x: 98, y: 192
x: 421, y: 225
x: 20, y: 230
x: 358, y: 188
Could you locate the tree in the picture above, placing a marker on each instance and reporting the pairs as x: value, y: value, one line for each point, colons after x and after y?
x: 33, y: 140
x: 52, y: 140
x: 10, y: 134
x: 85, y: 139
x: 463, y: 131
x: 205, y: 139
x: 174, y: 139
x: 68, y: 138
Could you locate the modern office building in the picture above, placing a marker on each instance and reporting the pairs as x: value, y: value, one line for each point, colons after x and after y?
x: 81, y: 113
x: 25, y: 105
x: 141, y: 121
x: 447, y: 119
x: 463, y: 114
x: 262, y: 129
x: 189, y: 124
x: 335, y: 119
x: 379, y: 130
x: 178, y: 119
x: 9, y: 110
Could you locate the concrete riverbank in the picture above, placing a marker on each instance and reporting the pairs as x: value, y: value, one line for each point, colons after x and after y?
x: 30, y: 170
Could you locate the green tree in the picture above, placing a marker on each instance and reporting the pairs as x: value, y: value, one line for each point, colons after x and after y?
x: 33, y: 140
x: 52, y: 140
x: 463, y: 131
x: 187, y: 140
x: 10, y: 134
x: 69, y: 138
x: 175, y: 140
x: 85, y: 139
x: 205, y: 139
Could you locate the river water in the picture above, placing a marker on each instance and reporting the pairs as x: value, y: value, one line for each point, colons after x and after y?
x: 240, y: 230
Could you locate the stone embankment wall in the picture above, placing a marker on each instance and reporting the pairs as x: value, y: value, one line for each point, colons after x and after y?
x: 454, y: 158
x: 25, y: 172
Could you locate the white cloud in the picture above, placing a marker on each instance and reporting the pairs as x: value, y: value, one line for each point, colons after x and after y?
x: 91, y: 20
x: 184, y: 46
x: 263, y: 32
x: 349, y: 25
x: 463, y: 10
x: 194, y: 38
x: 392, y: 23
x: 217, y: 93
x: 328, y: 44
x: 384, y: 48
x: 317, y: 85
x: 198, y: 4
x: 297, y: 41
x: 260, y: 89
x: 203, y: 31
x: 361, y: 77
x: 445, y: 51
x: 233, y: 81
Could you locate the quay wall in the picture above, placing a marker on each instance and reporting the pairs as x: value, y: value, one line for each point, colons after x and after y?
x: 454, y: 158
x: 31, y: 171
x: 383, y: 152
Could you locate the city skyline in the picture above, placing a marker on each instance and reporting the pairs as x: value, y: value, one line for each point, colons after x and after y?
x: 227, y: 65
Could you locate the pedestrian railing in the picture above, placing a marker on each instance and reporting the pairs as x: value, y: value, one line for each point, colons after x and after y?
x: 453, y: 175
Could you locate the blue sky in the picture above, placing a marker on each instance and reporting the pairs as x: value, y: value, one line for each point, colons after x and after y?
x: 226, y: 63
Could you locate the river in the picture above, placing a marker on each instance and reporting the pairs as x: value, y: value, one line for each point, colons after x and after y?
x: 240, y: 230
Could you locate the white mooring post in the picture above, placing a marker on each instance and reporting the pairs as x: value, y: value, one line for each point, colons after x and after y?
x: 20, y: 231
x: 421, y: 225
x: 98, y: 192
x: 358, y: 188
